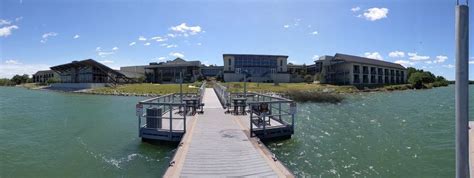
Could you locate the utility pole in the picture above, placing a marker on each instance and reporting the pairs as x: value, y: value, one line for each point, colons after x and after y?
x: 462, y: 90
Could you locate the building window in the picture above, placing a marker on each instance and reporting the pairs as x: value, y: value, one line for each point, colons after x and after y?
x: 230, y: 62
x: 356, y: 69
x: 281, y: 62
x: 380, y: 71
x: 373, y: 71
x: 356, y: 78
x: 372, y: 79
x: 380, y: 79
x: 365, y: 79
x: 365, y: 69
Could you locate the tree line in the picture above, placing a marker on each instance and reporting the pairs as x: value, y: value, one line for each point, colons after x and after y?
x: 16, y: 80
x: 424, y: 79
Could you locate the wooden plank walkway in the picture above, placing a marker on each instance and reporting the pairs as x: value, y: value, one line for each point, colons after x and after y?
x: 217, y: 145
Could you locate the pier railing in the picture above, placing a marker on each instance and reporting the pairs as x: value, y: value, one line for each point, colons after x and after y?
x: 164, y: 117
x: 222, y: 94
x: 270, y: 115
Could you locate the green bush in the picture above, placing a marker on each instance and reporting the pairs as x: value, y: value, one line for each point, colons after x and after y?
x: 308, y: 79
x: 314, y: 96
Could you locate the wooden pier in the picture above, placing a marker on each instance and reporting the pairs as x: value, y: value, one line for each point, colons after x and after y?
x: 219, y: 144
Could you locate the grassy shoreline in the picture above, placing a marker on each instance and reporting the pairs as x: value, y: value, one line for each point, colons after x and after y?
x: 301, y: 92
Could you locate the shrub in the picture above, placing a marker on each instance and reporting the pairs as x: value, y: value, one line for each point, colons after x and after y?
x: 308, y: 79
x: 314, y: 96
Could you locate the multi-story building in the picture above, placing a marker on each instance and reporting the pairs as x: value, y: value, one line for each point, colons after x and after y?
x: 353, y: 70
x: 43, y: 76
x: 257, y: 68
x: 88, y: 71
x: 212, y: 71
x: 170, y: 71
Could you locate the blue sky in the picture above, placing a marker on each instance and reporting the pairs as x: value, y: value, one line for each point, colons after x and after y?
x: 39, y: 34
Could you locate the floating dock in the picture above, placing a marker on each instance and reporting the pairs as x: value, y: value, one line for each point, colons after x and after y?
x: 219, y: 141
x: 217, y: 144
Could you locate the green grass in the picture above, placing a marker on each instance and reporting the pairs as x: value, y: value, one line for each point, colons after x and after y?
x: 302, y: 92
x: 285, y: 87
x: 147, y: 88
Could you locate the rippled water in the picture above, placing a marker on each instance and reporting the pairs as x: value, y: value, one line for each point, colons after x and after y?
x: 51, y: 134
x: 395, y: 134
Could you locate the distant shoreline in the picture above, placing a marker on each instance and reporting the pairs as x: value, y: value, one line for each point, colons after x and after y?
x: 300, y: 92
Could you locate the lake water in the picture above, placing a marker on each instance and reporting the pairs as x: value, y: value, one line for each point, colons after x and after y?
x: 395, y: 134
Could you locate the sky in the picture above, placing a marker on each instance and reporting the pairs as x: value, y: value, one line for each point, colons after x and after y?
x: 35, y: 35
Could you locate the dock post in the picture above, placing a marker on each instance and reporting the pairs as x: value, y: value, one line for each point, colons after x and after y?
x: 462, y: 90
x: 279, y: 110
x: 171, y: 121
x: 139, y: 126
x: 184, y: 124
x: 251, y: 126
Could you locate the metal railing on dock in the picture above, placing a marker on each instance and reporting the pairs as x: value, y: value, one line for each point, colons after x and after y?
x: 270, y: 116
x: 164, y: 117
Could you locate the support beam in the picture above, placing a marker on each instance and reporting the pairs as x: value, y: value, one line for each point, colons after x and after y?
x: 462, y: 90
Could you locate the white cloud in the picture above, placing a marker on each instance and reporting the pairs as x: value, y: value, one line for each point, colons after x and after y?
x: 286, y: 26
x: 416, y: 57
x: 375, y: 13
x: 171, y: 35
x: 186, y: 30
x: 8, y: 70
x: 171, y: 46
x: 471, y: 62
x: 315, y: 57
x: 405, y: 63
x: 176, y: 54
x: 159, y: 38
x: 373, y: 55
x: 11, y: 61
x: 132, y: 43
x: 141, y: 38
x: 449, y: 66
x: 76, y: 36
x: 314, y: 33
x: 161, y: 59
x: 6, y: 31
x: 355, y: 9
x: 147, y: 44
x: 396, y: 54
x: 4, y: 22
x: 199, y: 44
x: 103, y: 53
x: 440, y: 59
x: 46, y: 36
x: 18, y: 19
x: 106, y: 61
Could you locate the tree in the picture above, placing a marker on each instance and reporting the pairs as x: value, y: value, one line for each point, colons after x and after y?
x: 19, y: 79
x: 308, y: 79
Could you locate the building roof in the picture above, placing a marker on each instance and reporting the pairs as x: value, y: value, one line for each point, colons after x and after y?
x: 267, y: 55
x: 357, y: 59
x: 43, y: 72
x: 84, y: 63
x: 178, y: 62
